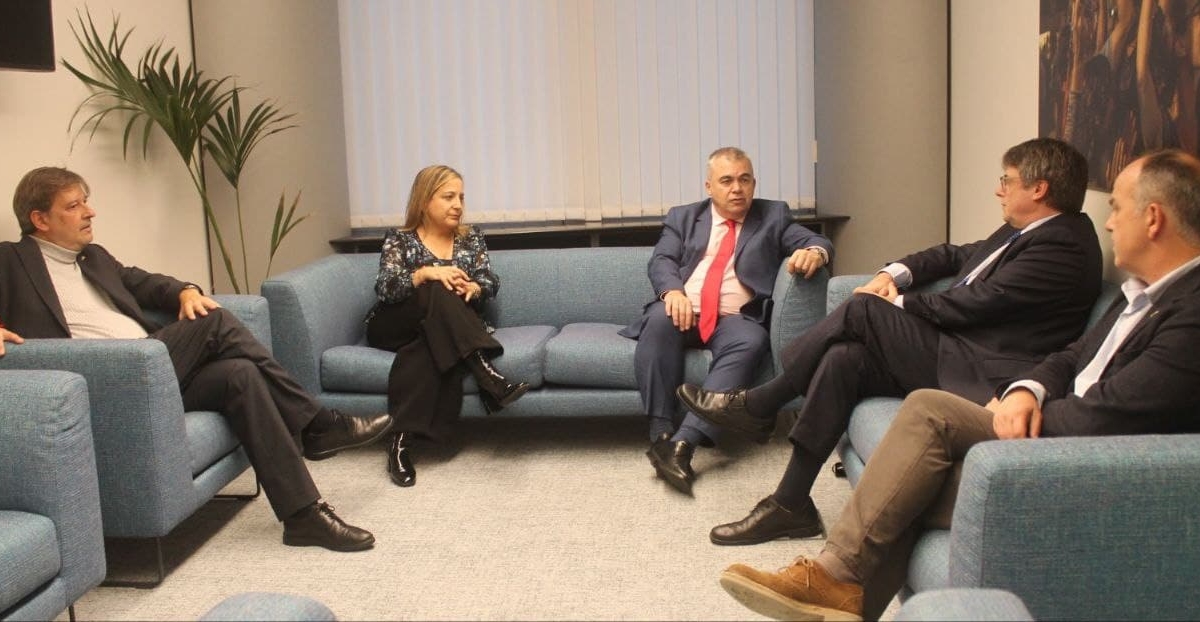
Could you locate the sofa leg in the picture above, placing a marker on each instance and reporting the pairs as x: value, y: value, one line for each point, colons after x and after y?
x: 71, y: 612
x: 155, y: 582
x: 257, y: 491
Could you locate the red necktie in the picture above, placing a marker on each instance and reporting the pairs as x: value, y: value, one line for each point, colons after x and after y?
x: 710, y: 292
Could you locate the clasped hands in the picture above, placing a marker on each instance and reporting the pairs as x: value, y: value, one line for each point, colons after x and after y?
x: 1018, y: 415
x: 883, y: 285
x: 452, y: 277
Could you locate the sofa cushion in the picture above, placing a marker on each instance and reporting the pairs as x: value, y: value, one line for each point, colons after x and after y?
x: 591, y: 355
x: 209, y: 438
x: 29, y: 555
x: 869, y: 422
x: 363, y: 369
x: 929, y: 566
x: 524, y: 355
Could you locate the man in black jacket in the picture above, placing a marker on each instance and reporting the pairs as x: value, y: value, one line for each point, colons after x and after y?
x: 1022, y: 293
x: 1134, y: 372
x: 54, y: 283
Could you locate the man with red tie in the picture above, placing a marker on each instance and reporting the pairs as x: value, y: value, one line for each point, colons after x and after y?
x: 713, y: 271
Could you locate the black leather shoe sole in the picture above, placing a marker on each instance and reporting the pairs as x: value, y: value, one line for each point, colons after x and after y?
x: 332, y: 451
x: 757, y: 537
x: 341, y: 547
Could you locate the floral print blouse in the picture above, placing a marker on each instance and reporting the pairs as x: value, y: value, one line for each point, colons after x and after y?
x: 403, y: 254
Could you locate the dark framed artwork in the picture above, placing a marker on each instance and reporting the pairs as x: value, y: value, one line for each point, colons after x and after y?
x: 1119, y: 78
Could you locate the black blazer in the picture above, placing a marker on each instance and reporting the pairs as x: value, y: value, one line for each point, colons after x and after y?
x: 1032, y: 300
x: 30, y: 307
x: 1152, y: 383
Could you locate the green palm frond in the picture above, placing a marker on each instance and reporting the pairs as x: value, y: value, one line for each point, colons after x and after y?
x: 198, y: 115
x: 230, y: 139
x: 284, y: 224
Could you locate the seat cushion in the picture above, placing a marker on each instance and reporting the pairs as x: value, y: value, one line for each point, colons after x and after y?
x: 929, y: 566
x: 29, y: 555
x: 869, y: 422
x: 363, y: 369
x: 209, y: 438
x: 593, y: 355
x: 524, y: 357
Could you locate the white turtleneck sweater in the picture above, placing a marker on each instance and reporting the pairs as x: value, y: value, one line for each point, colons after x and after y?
x: 90, y: 313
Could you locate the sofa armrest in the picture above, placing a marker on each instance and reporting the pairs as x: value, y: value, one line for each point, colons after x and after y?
x: 137, y: 424
x: 316, y: 307
x: 963, y: 604
x: 841, y: 288
x: 797, y: 303
x: 250, y: 309
x: 1082, y: 527
x: 253, y: 311
x: 48, y: 467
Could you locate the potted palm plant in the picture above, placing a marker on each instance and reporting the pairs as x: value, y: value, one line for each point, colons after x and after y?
x: 200, y: 116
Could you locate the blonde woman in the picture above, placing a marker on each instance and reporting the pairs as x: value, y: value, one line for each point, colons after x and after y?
x: 434, y: 277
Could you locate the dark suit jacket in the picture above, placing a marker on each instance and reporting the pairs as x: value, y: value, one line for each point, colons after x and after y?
x: 1032, y: 300
x: 30, y: 307
x: 768, y: 236
x: 1152, y: 383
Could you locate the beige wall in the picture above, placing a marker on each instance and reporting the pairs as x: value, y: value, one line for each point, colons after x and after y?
x: 881, y: 126
x: 993, y: 105
x: 147, y: 212
x: 285, y: 50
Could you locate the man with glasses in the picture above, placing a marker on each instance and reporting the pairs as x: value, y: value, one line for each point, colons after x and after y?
x: 1020, y: 294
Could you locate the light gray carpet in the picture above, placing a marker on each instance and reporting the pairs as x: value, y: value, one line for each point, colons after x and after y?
x: 523, y: 519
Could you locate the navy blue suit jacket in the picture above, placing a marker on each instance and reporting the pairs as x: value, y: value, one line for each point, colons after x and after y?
x: 769, y: 235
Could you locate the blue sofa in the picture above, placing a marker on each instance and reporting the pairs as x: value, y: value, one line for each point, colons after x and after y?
x: 963, y: 604
x: 557, y: 314
x: 1078, y: 528
x: 156, y: 463
x: 51, y: 543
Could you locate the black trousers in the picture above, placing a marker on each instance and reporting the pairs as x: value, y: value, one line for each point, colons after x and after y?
x: 222, y: 367
x: 866, y: 347
x: 431, y: 332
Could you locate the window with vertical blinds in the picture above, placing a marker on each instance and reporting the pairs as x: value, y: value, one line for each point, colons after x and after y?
x: 573, y: 110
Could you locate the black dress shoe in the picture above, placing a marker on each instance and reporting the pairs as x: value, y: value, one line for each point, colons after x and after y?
x: 673, y: 462
x: 769, y: 521
x: 726, y: 409
x: 400, y: 466
x: 344, y: 433
x: 317, y: 525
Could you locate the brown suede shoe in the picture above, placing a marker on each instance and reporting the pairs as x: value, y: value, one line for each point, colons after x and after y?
x: 802, y: 591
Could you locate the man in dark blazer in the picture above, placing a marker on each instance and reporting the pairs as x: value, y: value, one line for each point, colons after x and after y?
x: 1135, y: 372
x: 55, y: 283
x: 1020, y: 294
x: 757, y: 236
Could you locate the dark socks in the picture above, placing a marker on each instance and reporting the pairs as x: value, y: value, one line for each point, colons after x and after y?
x: 693, y: 436
x: 323, y: 419
x: 765, y: 400
x: 660, y: 426
x: 796, y: 485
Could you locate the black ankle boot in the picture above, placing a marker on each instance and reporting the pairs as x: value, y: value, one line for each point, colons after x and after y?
x: 495, y: 390
x: 400, y: 465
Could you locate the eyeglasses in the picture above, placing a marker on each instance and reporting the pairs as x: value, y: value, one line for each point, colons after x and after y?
x: 1005, y: 180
